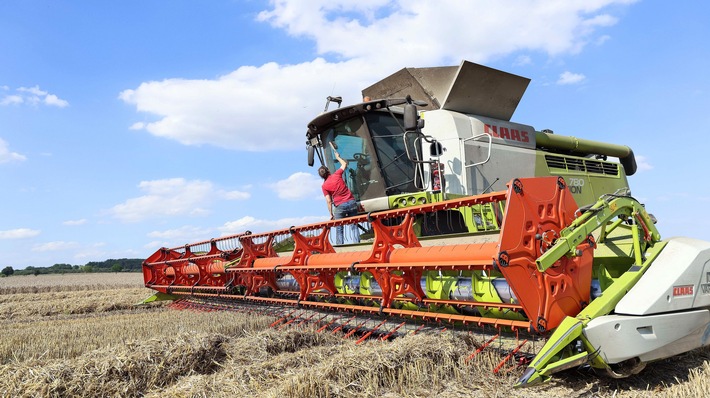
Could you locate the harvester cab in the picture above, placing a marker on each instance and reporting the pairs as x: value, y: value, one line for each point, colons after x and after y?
x: 473, y: 221
x: 458, y: 141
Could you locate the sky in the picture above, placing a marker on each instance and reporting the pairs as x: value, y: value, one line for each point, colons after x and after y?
x: 130, y: 125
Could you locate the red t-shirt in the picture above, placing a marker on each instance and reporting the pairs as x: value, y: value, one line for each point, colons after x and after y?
x: 336, y: 188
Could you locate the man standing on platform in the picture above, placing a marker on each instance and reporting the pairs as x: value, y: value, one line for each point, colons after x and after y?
x: 340, y: 201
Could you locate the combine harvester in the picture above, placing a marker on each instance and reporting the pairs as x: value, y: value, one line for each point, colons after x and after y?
x: 468, y: 219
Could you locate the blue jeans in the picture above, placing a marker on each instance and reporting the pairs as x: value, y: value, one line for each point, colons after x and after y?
x: 346, y: 209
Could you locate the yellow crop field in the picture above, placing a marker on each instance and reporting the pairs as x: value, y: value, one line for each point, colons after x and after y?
x: 82, y: 335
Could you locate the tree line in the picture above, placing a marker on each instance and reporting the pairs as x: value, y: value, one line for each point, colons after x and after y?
x: 110, y: 265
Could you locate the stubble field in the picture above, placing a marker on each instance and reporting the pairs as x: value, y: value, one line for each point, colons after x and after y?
x: 81, y: 335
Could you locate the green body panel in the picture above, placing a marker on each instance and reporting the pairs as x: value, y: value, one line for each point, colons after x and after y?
x: 412, y: 199
x: 487, y: 217
x: 552, y: 355
x: 585, y: 185
x: 561, y: 349
x: 587, y: 179
x: 478, y: 218
x: 623, y: 257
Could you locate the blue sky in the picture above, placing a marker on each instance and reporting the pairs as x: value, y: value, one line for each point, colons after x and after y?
x: 126, y: 126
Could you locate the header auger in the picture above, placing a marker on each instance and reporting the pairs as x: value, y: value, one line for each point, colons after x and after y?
x: 471, y: 221
x: 470, y: 279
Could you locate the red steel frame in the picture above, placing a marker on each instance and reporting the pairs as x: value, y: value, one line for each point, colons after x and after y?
x: 536, y: 210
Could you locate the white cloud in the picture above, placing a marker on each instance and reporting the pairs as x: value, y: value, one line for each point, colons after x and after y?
x: 53, y: 100
x: 33, y: 91
x: 242, y: 110
x: 522, y: 60
x: 570, y: 78
x: 172, y: 197
x: 19, y: 233
x: 156, y: 244
x: 236, y: 195
x: 11, y: 100
x: 75, y: 222
x: 262, y: 108
x: 602, y: 20
x: 6, y: 156
x: 94, y: 252
x: 32, y: 96
x: 643, y: 164
x: 477, y: 30
x: 298, y: 186
x: 54, y: 246
x: 257, y: 225
x: 602, y: 39
x: 178, y: 236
